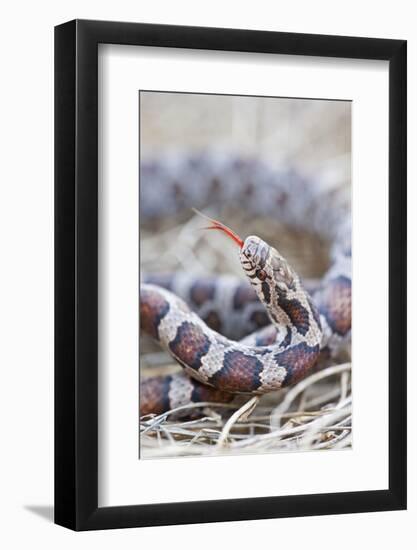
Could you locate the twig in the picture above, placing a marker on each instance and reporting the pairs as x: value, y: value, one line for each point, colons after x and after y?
x: 244, y: 411
x: 300, y: 387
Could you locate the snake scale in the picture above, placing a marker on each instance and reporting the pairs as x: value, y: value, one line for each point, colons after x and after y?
x: 280, y: 326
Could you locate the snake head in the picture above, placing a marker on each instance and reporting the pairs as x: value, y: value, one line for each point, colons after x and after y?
x: 263, y: 263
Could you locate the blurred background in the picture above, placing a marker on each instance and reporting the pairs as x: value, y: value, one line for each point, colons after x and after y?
x: 314, y: 135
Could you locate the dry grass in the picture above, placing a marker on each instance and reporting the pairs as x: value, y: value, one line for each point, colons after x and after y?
x: 314, y: 414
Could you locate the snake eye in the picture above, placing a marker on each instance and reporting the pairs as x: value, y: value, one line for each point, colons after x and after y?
x: 261, y: 274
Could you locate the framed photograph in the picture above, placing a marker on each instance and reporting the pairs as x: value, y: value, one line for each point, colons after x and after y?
x: 230, y: 252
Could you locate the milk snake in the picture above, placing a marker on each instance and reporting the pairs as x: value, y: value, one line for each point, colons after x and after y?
x: 284, y: 326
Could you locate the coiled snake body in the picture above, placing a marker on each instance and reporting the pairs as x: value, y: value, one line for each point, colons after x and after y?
x: 216, y: 367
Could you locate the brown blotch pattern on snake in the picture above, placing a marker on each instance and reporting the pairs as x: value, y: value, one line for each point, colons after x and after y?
x: 297, y: 360
x: 154, y: 395
x: 240, y: 373
x: 153, y: 308
x: 335, y: 305
x: 190, y: 345
x: 202, y: 291
x: 296, y: 312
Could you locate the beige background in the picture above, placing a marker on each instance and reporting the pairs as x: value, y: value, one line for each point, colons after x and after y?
x: 313, y: 135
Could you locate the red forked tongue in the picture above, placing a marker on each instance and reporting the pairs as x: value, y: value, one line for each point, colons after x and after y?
x: 214, y: 224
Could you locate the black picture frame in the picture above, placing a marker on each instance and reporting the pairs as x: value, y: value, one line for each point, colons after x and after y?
x: 76, y: 272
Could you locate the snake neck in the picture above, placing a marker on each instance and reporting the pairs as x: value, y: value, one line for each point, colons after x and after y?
x: 294, y: 314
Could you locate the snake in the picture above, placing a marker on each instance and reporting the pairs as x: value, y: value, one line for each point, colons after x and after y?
x: 287, y: 323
